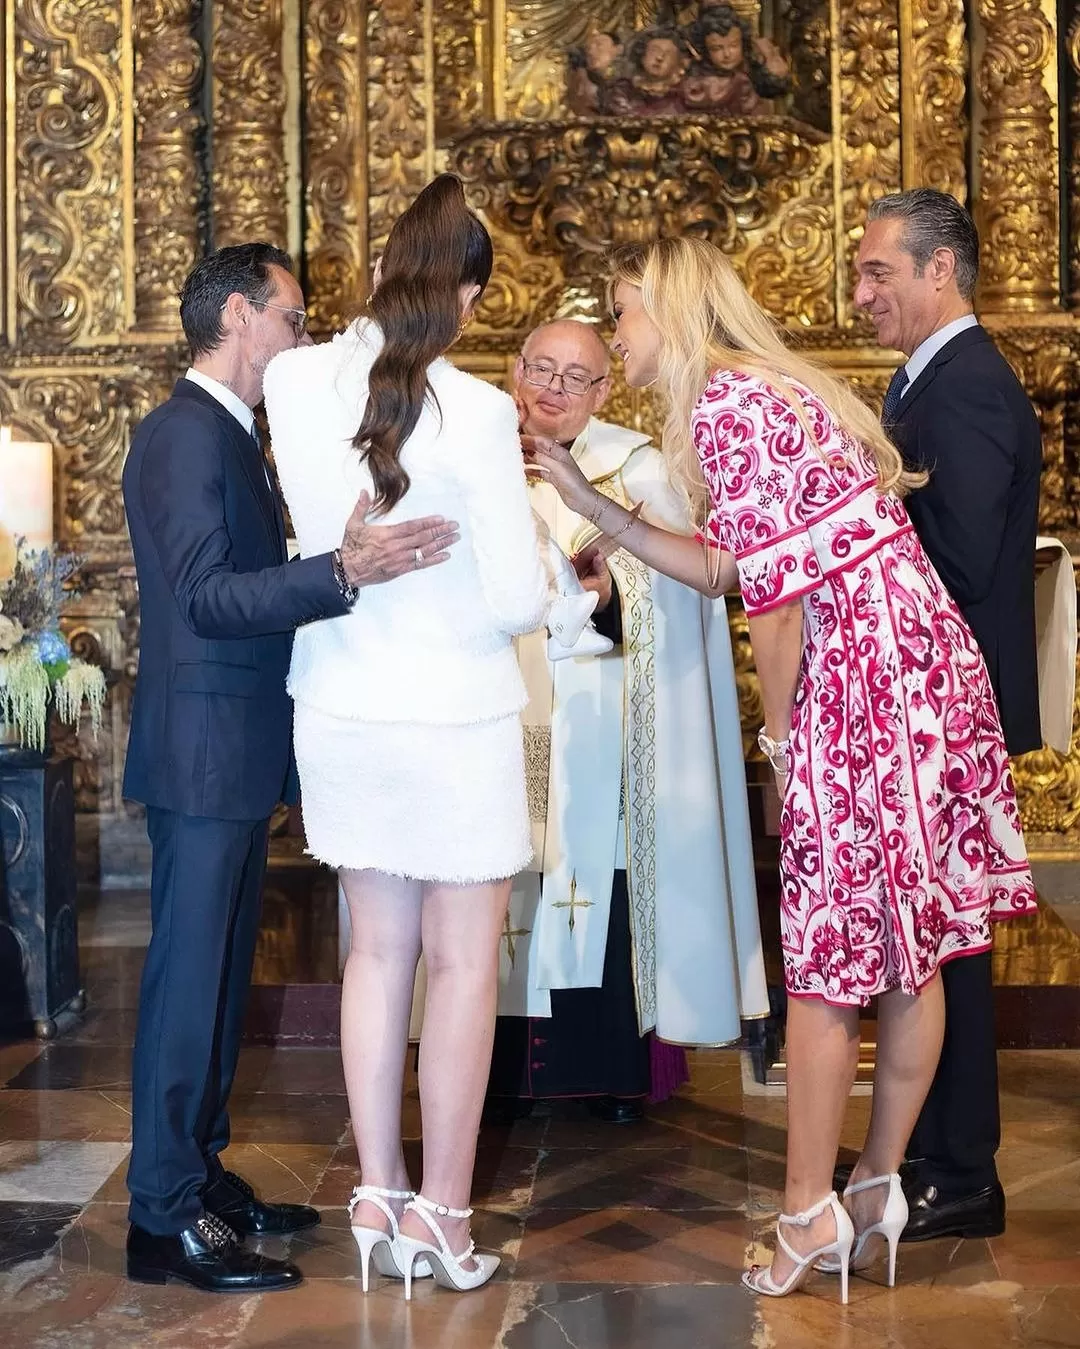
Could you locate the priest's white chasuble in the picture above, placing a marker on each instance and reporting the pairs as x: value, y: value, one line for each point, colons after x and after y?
x: 634, y: 759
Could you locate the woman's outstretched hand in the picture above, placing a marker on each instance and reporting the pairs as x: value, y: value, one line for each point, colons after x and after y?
x: 554, y: 463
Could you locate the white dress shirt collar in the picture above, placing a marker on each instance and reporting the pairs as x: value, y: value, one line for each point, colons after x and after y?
x: 925, y: 352
x: 225, y: 397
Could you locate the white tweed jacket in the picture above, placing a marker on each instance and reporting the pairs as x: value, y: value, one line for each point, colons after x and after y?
x: 432, y: 646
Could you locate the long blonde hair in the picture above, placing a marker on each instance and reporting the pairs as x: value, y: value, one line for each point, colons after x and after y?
x: 708, y: 321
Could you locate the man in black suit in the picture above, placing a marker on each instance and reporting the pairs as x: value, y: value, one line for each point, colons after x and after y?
x: 956, y: 409
x: 210, y: 751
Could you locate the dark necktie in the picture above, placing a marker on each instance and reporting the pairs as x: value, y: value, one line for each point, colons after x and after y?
x: 893, y: 394
x: 272, y: 484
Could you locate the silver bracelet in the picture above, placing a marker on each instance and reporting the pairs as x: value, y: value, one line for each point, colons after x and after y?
x: 597, y: 511
x: 623, y: 528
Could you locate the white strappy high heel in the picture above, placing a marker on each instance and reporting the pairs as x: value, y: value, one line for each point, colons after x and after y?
x: 892, y: 1222
x: 376, y: 1246
x: 446, y: 1267
x: 760, y: 1280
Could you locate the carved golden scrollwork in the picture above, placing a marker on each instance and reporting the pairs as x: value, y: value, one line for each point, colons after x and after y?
x: 1048, y: 788
x: 463, y: 94
x: 398, y: 153
x: 808, y: 36
x: 98, y: 629
x: 868, y: 137
x: 1072, y: 48
x: 169, y: 182
x: 747, y: 685
x: 249, y: 181
x: 1017, y: 208
x: 791, y: 271
x: 69, y: 165
x: 937, y: 79
x: 336, y: 173
x: 88, y: 411
x: 524, y: 290
x: 636, y: 408
x: 578, y: 189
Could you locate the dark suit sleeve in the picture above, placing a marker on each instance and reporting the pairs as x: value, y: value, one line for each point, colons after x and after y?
x: 969, y: 442
x: 182, y: 493
x: 608, y: 621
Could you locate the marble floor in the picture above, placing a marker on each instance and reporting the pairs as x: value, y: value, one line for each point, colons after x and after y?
x: 630, y: 1237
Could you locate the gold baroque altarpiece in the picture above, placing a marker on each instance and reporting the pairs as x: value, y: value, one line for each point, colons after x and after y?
x: 140, y: 133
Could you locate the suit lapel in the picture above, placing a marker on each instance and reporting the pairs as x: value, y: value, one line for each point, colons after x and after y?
x: 969, y: 337
x: 251, y: 461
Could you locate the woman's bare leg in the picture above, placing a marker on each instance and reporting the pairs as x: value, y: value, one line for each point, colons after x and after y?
x: 910, y: 1032
x: 822, y: 1053
x: 462, y: 925
x: 376, y: 998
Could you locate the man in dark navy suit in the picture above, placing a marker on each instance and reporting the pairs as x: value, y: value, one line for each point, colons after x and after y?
x: 210, y: 751
x: 957, y: 409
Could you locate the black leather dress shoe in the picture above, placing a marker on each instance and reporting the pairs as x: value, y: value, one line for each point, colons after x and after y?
x: 207, y: 1255
x: 616, y: 1109
x: 233, y: 1200
x: 930, y: 1214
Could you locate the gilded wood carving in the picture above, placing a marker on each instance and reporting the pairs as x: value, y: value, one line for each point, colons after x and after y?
x: 118, y: 186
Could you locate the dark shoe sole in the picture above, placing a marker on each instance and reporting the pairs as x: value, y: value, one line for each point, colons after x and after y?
x: 150, y: 1274
x: 965, y: 1231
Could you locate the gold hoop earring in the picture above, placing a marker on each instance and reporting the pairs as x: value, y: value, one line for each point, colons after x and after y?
x: 461, y: 328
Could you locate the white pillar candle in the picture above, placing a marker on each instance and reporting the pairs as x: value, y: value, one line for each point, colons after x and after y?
x: 26, y: 496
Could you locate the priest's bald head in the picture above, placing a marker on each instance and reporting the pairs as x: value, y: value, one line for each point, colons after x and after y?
x: 561, y: 379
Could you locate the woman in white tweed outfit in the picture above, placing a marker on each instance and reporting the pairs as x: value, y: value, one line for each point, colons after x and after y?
x: 408, y: 740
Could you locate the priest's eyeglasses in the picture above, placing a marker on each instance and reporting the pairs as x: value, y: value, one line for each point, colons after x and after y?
x: 574, y: 382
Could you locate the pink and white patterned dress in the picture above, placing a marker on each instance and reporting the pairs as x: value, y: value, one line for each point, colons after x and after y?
x: 900, y: 835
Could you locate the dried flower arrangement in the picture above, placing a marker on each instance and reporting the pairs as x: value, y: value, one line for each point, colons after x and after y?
x: 36, y: 664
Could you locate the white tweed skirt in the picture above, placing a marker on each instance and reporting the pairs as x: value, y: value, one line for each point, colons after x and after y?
x: 435, y: 803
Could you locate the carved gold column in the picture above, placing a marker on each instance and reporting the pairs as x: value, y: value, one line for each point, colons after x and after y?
x: 250, y: 178
x: 1073, y: 49
x: 335, y: 186
x: 168, y: 177
x: 1018, y: 170
x: 865, y: 122
x: 400, y: 151
x: 463, y: 92
x: 934, y: 69
x: 70, y: 99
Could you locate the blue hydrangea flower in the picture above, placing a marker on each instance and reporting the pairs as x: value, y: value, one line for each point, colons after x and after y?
x: 51, y: 649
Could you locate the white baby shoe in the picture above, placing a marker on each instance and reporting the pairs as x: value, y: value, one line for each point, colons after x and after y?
x: 571, y: 632
x: 569, y: 614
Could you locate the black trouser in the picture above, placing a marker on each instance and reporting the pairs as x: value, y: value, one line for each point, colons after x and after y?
x: 205, y: 899
x: 959, y: 1129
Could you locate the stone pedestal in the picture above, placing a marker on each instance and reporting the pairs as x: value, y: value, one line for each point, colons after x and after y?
x: 39, y: 945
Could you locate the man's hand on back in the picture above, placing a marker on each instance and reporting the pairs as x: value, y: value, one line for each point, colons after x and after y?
x: 371, y: 554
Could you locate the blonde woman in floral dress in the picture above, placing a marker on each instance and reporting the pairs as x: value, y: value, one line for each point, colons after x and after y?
x: 900, y: 836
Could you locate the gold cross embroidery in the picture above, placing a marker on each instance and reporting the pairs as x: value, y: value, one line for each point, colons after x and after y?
x: 510, y: 933
x: 573, y: 903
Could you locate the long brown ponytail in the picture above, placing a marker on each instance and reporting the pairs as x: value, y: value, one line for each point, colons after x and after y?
x: 437, y: 246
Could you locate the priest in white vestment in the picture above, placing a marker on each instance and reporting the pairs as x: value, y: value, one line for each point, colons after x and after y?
x: 637, y: 793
